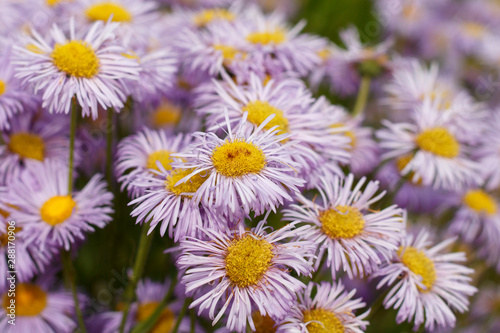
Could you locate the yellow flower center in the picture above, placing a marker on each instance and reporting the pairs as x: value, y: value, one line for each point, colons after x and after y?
x: 76, y: 58
x: 4, y: 238
x: 164, y: 324
x: 481, y: 202
x: 3, y: 87
x: 474, y: 29
x: 27, y: 145
x: 216, y: 14
x: 420, y: 264
x: 324, y: 54
x: 438, y: 141
x: 342, y: 222
x: 247, y: 260
x: 30, y: 300
x: 163, y: 156
x: 348, y: 133
x: 330, y: 323
x: 102, y: 11
x: 57, y: 209
x: 277, y: 36
x: 258, y: 111
x: 228, y: 52
x: 238, y: 158
x: 166, y: 114
x: 191, y: 186
x: 263, y: 324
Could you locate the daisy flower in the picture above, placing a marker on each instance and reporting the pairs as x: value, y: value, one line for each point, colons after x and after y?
x: 249, y: 170
x: 477, y: 217
x: 49, y: 214
x: 426, y: 285
x: 277, y: 47
x: 353, y: 237
x: 319, y: 150
x: 34, y: 137
x: 38, y: 309
x: 170, y: 203
x: 135, y: 18
x: 241, y: 269
x: 437, y: 155
x: 13, y: 99
x: 90, y: 68
x: 330, y: 310
x: 139, y: 153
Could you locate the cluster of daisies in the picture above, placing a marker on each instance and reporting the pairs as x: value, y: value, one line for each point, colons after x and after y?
x: 285, y: 212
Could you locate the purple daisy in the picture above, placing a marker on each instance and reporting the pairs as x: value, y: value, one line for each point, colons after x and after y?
x: 88, y: 67
x: 241, y: 269
x: 330, y: 310
x: 52, y: 216
x: 353, y: 237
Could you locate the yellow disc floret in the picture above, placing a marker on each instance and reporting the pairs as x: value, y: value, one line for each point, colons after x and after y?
x: 3, y: 87
x: 30, y: 300
x: 166, y: 114
x: 190, y: 186
x: 57, y: 209
x: 162, y: 156
x: 348, y: 133
x: 165, y: 322
x: 27, y: 145
x: 481, y: 202
x: 323, y: 321
x: 420, y: 264
x: 342, y: 222
x: 438, y: 141
x: 76, y: 58
x: 258, y: 111
x: 102, y: 11
x: 277, y: 36
x: 228, y: 52
x: 247, y: 259
x: 238, y: 158
x: 216, y: 14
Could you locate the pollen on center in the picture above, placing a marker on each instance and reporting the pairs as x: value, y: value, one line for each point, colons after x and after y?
x: 190, y: 186
x: 481, y: 202
x: 247, y: 260
x: 76, y: 58
x: 438, y: 141
x: 258, y: 111
x: 57, y: 209
x: 238, y: 158
x: 342, y: 222
x: 162, y: 156
x: 27, y: 145
x: 102, y: 11
x: 30, y: 300
x: 420, y: 264
x: 322, y: 321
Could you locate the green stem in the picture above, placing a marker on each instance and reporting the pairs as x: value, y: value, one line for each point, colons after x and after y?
x: 379, y: 301
x: 187, y: 301
x: 193, y: 320
x: 69, y: 277
x: 140, y: 262
x: 317, y: 274
x: 364, y: 91
x: 74, y: 113
x: 148, y: 324
x: 109, y: 148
